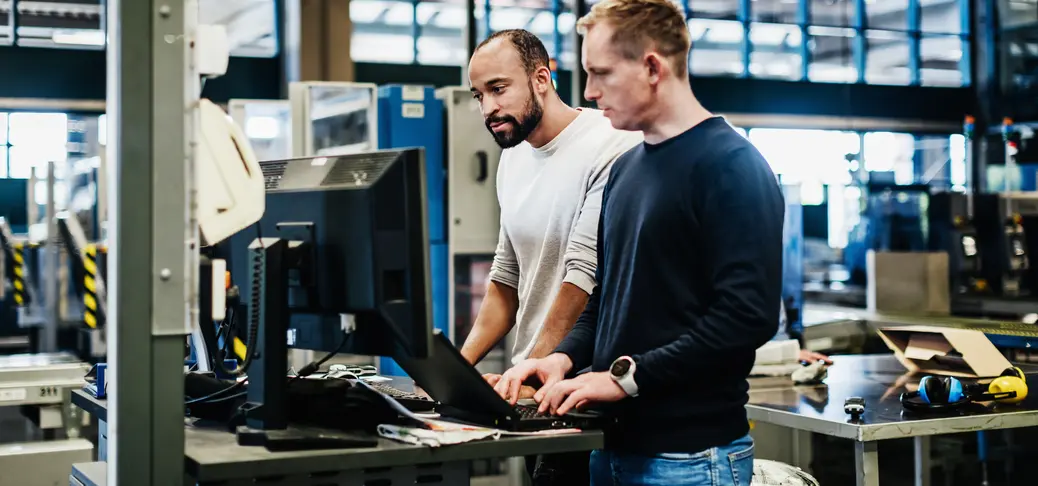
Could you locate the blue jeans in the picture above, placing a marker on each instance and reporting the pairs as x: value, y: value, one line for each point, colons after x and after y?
x: 728, y: 465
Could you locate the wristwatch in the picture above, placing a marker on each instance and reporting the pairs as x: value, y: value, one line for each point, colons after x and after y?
x: 622, y: 372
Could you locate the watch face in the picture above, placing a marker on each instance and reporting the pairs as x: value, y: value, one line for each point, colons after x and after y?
x: 620, y: 367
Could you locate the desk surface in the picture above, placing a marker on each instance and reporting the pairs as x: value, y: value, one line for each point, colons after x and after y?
x: 213, y: 454
x: 880, y: 380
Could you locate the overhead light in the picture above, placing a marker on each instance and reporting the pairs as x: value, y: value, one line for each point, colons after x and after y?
x: 79, y: 37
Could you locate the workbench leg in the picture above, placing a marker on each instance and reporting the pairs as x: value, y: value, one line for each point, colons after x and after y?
x: 922, y: 460
x: 802, y: 453
x: 866, y: 463
x: 71, y: 417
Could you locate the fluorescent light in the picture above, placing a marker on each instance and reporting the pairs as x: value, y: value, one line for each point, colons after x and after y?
x: 79, y: 37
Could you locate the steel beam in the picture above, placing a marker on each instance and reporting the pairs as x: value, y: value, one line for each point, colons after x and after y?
x: 151, y: 93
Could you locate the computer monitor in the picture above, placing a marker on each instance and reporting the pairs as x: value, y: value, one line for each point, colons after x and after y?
x: 362, y: 218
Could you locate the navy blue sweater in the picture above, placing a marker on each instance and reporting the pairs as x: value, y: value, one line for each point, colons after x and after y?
x: 689, y: 272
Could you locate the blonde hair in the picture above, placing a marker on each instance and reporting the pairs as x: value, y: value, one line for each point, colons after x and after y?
x: 643, y: 24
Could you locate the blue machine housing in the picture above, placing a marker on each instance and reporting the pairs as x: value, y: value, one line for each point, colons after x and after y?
x: 793, y: 262
x: 412, y: 116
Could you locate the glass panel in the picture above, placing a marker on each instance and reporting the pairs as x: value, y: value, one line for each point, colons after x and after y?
x: 26, y: 157
x: 940, y: 61
x: 776, y: 51
x: 716, y: 47
x: 382, y: 31
x: 1019, y: 62
x: 836, y: 13
x: 715, y: 9
x: 832, y: 55
x: 825, y: 163
x: 250, y: 25
x: 943, y: 16
x: 567, y: 21
x: 39, y: 129
x: 886, y: 60
x: 935, y: 160
x: 887, y: 151
x: 1012, y: 13
x: 504, y: 18
x: 386, y: 48
x: 889, y: 14
x: 957, y: 152
x: 442, y: 26
x: 102, y: 130
x: 3, y: 161
x: 3, y: 128
x: 774, y: 11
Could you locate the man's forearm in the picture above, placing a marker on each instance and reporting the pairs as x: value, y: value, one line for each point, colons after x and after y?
x: 568, y: 305
x: 496, y: 317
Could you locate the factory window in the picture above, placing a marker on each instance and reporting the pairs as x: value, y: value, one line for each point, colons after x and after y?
x: 830, y: 41
x: 78, y: 24
x: 716, y: 47
x: 4, y: 146
x: 891, y: 153
x: 33, y: 140
x: 432, y: 33
x: 812, y: 40
x: 832, y: 55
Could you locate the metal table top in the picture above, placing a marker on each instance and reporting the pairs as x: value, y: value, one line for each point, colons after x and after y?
x: 880, y: 380
x: 214, y: 454
x: 38, y: 360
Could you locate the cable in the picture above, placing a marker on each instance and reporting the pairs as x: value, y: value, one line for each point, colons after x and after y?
x: 316, y: 365
x: 209, y: 397
x: 258, y: 260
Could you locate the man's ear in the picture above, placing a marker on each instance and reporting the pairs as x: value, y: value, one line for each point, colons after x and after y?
x: 542, y: 76
x: 654, y: 64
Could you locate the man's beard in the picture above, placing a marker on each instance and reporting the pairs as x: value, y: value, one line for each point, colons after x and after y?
x: 521, y: 129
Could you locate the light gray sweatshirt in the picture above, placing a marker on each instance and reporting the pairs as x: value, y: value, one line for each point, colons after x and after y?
x: 550, y: 201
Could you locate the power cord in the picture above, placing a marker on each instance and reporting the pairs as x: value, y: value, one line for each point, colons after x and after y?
x: 316, y: 365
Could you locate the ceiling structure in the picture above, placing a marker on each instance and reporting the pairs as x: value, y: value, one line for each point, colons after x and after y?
x: 383, y: 33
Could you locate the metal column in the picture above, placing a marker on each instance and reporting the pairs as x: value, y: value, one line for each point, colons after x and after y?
x: 578, y: 81
x: 151, y: 90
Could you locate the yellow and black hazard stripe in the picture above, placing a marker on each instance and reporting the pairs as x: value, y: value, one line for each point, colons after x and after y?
x: 90, y: 314
x: 21, y: 291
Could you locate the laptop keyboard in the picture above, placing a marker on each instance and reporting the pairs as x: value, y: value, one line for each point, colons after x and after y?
x: 397, y: 394
x: 528, y: 412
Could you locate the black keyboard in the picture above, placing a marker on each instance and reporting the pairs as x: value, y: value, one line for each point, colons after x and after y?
x: 411, y: 401
x: 528, y: 412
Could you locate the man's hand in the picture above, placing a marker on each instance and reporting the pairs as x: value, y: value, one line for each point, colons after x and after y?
x: 578, y: 392
x: 811, y: 357
x: 524, y: 392
x: 550, y: 370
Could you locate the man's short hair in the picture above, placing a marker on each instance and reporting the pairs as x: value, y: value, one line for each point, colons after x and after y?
x: 531, y: 50
x: 643, y: 24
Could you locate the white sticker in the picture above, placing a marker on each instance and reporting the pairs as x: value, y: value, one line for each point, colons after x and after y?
x: 413, y: 110
x: 413, y: 93
x: 17, y: 394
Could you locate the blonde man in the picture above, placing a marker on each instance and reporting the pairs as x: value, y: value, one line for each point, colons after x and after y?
x: 689, y: 266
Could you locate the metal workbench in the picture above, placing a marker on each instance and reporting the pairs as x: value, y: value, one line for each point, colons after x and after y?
x: 880, y: 380
x: 213, y: 456
x: 44, y: 380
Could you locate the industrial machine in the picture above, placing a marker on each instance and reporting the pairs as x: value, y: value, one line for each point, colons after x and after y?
x: 330, y: 118
x: 793, y: 263
x: 893, y: 218
x: 267, y: 125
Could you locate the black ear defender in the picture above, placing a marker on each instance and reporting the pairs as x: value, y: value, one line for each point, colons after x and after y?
x: 948, y: 393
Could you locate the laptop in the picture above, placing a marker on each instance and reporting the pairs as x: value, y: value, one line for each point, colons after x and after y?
x: 464, y: 395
